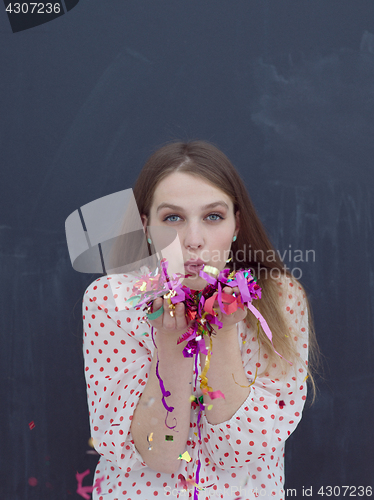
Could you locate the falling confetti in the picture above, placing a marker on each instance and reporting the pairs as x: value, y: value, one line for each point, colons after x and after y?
x: 149, y: 402
x: 98, y: 482
x: 83, y: 490
x: 185, y: 456
x: 150, y: 438
x: 31, y: 425
x: 33, y: 481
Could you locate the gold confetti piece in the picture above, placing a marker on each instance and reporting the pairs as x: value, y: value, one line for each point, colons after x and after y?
x: 211, y: 270
x: 210, y: 407
x: 91, y: 442
x: 305, y: 378
x: 195, y: 434
x: 192, y: 398
x: 185, y: 456
x: 150, y: 437
x: 244, y: 341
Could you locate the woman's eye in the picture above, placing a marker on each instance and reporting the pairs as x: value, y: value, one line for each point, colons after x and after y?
x: 217, y: 217
x: 169, y: 216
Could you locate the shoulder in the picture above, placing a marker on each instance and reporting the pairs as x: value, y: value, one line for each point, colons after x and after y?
x: 289, y: 289
x: 109, y: 293
x: 117, y: 286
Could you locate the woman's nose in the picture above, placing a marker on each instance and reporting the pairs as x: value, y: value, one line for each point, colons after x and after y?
x: 193, y: 237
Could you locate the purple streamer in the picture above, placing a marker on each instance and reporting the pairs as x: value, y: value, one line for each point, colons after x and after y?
x: 165, y: 394
x: 209, y: 279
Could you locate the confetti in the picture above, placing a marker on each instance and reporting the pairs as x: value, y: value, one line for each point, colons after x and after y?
x: 201, y: 312
x: 216, y: 394
x: 149, y: 402
x: 245, y: 386
x: 33, y: 481
x: 31, y: 425
x: 185, y: 456
x: 210, y: 407
x: 97, y: 483
x: 282, y: 404
x: 150, y: 438
x: 83, y: 490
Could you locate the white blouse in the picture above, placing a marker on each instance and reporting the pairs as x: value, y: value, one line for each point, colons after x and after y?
x: 242, y: 457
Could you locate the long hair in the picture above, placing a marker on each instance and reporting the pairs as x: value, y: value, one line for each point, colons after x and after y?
x: 204, y: 160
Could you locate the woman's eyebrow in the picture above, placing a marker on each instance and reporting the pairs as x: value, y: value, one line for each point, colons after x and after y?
x: 205, y: 207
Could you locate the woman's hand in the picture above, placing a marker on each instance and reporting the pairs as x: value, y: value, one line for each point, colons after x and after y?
x: 229, y: 320
x: 170, y: 327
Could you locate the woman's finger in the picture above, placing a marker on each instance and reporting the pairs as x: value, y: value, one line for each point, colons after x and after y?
x: 180, y: 316
x: 156, y: 305
x: 168, y: 320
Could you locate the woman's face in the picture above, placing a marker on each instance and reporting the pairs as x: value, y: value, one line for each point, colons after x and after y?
x: 203, y: 217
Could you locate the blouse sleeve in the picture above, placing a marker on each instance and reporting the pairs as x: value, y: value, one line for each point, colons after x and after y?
x: 275, y: 403
x: 117, y: 363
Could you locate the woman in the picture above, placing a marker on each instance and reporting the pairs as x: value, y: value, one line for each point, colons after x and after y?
x: 193, y: 188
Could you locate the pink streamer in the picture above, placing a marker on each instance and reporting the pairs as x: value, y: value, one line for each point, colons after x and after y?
x: 265, y: 327
x: 216, y: 395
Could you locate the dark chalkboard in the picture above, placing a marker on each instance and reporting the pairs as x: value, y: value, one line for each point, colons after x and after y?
x: 286, y: 90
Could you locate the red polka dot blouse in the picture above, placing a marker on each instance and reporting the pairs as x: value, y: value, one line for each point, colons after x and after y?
x: 242, y: 457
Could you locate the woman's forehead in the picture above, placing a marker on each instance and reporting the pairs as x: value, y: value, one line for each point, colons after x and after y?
x: 180, y: 188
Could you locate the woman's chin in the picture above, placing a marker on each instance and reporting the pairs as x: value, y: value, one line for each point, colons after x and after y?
x: 195, y: 282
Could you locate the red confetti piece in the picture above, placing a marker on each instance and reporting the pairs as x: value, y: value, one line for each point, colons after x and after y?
x: 282, y: 404
x: 33, y: 481
x: 31, y: 425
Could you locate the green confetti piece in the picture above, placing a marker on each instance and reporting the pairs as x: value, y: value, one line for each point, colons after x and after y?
x: 132, y: 299
x: 156, y: 314
x: 210, y: 407
x: 169, y: 438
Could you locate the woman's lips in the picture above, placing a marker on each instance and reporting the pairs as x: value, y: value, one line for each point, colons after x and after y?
x: 193, y: 268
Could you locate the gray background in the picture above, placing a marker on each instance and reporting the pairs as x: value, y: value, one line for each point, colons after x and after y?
x: 286, y: 90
